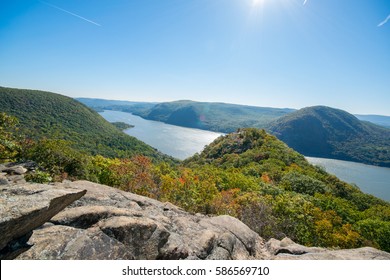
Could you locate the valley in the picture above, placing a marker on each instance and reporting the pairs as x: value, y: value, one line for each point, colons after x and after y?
x: 182, y: 142
x: 248, y: 174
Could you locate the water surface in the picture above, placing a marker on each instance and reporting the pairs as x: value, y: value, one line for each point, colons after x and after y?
x: 179, y: 142
x: 370, y: 179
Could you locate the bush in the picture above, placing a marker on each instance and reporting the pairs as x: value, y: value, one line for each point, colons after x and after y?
x: 9, y: 147
x: 39, y: 177
x: 300, y: 183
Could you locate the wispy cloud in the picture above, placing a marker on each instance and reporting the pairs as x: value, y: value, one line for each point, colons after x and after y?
x: 385, y: 21
x: 68, y: 12
x: 304, y: 2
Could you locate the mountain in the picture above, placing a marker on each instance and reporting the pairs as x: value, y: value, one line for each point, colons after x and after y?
x: 49, y: 115
x: 277, y: 193
x: 220, y: 117
x: 321, y: 131
x: 376, y: 119
x: 116, y: 105
x: 250, y: 112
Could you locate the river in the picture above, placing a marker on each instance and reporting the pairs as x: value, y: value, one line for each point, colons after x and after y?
x: 182, y: 142
x: 370, y: 179
x: 179, y: 142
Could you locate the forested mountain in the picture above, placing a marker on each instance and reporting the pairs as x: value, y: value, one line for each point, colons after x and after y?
x: 48, y: 115
x: 327, y: 132
x: 275, y: 191
x: 144, y: 108
x: 376, y: 119
x: 116, y: 105
x: 220, y: 117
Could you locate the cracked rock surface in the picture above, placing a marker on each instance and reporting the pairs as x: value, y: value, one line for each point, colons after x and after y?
x: 101, y: 222
x: 147, y: 228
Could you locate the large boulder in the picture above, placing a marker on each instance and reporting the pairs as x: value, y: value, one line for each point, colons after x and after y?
x: 286, y: 249
x: 147, y: 228
x: 68, y: 243
x: 25, y: 207
x: 107, y: 223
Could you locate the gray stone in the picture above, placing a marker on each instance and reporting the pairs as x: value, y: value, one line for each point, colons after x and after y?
x: 15, y: 170
x: 52, y: 242
x: 16, y: 179
x: 287, y: 246
x: 289, y: 250
x: 3, y: 180
x: 252, y: 241
x: 366, y: 253
x: 143, y: 236
x: 107, y: 223
x: 87, y: 216
x: 26, y: 207
x: 155, y: 230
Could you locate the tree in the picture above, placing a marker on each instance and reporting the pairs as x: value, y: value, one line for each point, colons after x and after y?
x: 9, y: 146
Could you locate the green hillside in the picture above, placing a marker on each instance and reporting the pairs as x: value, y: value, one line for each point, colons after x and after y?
x: 276, y: 192
x: 48, y: 115
x: 220, y: 117
x: 327, y: 132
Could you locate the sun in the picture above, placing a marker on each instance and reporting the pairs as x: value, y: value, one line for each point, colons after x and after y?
x: 257, y: 2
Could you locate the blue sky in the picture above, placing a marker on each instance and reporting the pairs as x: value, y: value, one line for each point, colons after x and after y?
x: 276, y: 53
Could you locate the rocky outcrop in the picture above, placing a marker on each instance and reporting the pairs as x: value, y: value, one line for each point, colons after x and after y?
x: 143, y: 228
x: 25, y: 207
x: 288, y: 250
x: 107, y: 223
x: 13, y: 173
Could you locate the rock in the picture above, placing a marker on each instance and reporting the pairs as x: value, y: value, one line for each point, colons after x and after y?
x: 289, y: 250
x: 154, y: 230
x: 3, y: 180
x: 28, y: 206
x: 52, y: 242
x: 16, y: 247
x: 30, y: 165
x: 87, y: 216
x: 15, y: 170
x: 251, y: 241
x: 287, y: 246
x: 144, y: 237
x: 366, y: 253
x: 16, y: 179
x: 107, y: 223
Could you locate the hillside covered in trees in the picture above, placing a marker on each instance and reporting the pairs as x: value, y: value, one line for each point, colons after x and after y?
x: 219, y: 117
x: 46, y: 115
x: 327, y: 132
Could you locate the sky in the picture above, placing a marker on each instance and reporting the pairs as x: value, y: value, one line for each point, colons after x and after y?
x: 273, y: 53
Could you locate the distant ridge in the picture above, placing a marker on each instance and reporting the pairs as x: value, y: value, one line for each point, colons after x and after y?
x: 321, y: 131
x: 144, y: 108
x: 219, y: 117
x: 376, y: 119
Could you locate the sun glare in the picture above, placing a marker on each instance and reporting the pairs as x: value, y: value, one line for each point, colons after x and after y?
x: 257, y: 2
